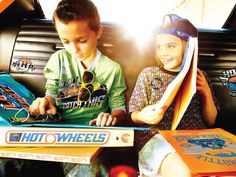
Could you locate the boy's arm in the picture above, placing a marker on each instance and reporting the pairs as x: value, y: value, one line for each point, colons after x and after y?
x: 209, y: 110
x: 135, y: 117
x: 46, y: 105
x: 148, y: 115
x: 119, y: 115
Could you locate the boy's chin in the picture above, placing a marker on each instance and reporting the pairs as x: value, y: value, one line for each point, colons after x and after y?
x: 173, y: 69
x: 78, y: 57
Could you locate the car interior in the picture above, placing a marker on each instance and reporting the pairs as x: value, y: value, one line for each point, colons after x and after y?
x: 27, y: 41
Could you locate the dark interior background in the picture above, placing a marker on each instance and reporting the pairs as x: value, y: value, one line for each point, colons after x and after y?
x: 24, y: 33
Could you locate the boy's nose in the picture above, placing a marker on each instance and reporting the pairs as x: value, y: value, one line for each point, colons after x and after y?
x: 74, y: 48
x: 162, y: 51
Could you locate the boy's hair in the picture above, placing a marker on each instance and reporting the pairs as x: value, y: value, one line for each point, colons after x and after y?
x: 81, y: 10
x: 175, y: 25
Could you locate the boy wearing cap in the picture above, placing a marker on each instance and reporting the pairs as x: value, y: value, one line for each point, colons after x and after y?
x: 156, y: 156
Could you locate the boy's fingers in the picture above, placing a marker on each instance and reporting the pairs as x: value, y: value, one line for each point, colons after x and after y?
x: 104, y: 121
x: 99, y: 119
x: 51, y: 109
x: 92, y: 122
x: 42, y: 106
x: 34, y: 107
x: 114, y: 121
x: 109, y: 121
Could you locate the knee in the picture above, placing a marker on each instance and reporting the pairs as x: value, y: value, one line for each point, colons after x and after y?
x: 174, y: 166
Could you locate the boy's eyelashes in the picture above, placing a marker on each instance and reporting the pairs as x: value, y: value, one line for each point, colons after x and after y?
x: 78, y: 41
x: 170, y: 46
x: 82, y: 41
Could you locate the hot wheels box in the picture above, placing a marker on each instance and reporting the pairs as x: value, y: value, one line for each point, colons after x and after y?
x: 65, y: 137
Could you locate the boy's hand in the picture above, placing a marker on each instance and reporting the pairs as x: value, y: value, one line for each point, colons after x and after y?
x: 104, y: 119
x: 43, y: 106
x: 202, y: 85
x: 150, y: 115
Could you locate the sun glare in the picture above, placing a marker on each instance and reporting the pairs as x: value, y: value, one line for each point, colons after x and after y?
x: 138, y: 18
x: 141, y: 17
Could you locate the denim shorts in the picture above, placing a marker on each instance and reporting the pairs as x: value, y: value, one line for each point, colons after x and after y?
x: 152, y: 155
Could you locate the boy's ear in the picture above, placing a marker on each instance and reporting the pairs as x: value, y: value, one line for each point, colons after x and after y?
x: 100, y: 32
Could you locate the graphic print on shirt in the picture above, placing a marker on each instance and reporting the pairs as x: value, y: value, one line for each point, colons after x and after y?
x: 156, y: 83
x: 76, y: 94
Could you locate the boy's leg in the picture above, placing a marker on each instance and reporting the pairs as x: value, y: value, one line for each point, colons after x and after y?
x: 152, y: 155
x: 29, y: 168
x: 174, y: 166
x: 10, y: 167
x: 97, y: 168
x: 37, y: 168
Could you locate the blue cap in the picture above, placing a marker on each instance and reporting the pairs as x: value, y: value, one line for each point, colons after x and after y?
x: 175, y: 25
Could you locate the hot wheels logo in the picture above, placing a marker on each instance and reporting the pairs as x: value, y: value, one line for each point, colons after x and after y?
x: 229, y: 81
x: 14, y: 137
x: 23, y: 65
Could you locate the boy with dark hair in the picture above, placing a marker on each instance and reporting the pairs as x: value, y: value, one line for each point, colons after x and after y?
x: 82, y: 83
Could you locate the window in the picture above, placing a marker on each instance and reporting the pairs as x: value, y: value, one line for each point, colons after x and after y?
x: 141, y: 17
x: 149, y: 13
